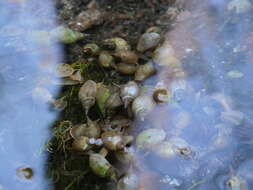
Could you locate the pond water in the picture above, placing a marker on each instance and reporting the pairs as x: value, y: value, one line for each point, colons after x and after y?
x: 203, y: 135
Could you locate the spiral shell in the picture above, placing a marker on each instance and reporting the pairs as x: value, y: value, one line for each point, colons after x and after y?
x: 114, y: 101
x: 112, y: 140
x: 87, y: 94
x: 161, y: 94
x: 129, y: 92
x: 100, y: 166
x: 144, y: 71
x: 119, y: 44
x: 90, y: 49
x: 141, y: 106
x: 105, y: 59
x: 148, y: 41
x: 64, y: 70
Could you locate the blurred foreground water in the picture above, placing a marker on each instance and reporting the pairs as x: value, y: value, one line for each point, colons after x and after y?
x: 25, y: 58
x: 205, y: 130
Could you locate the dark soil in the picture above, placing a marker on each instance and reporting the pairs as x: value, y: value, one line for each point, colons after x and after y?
x: 123, y: 18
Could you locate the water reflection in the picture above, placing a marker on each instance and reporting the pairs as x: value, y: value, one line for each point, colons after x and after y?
x: 25, y: 59
x: 204, y: 64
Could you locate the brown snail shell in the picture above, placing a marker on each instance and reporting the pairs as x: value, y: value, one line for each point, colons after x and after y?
x: 81, y: 143
x: 126, y: 56
x: 105, y: 59
x: 112, y: 140
x: 77, y: 131
x: 125, y: 68
x: 148, y: 41
x: 60, y: 103
x: 129, y: 92
x: 25, y: 173
x: 64, y: 70
x: 120, y: 43
x: 92, y: 129
x: 91, y: 49
x: 144, y: 71
x: 142, y: 105
x: 114, y: 101
x: 100, y: 166
x: 161, y: 94
x: 87, y: 94
x: 120, y: 121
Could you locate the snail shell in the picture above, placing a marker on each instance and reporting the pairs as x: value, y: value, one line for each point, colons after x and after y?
x: 91, y: 49
x: 237, y: 183
x: 77, y: 131
x: 119, y: 44
x: 112, y: 140
x: 161, y: 93
x: 144, y: 71
x: 25, y: 173
x: 125, y: 68
x: 87, y: 94
x: 92, y: 130
x: 66, y: 35
x: 105, y: 59
x: 148, y: 41
x: 149, y: 138
x: 142, y: 105
x: 125, y: 156
x: 165, y: 150
x: 100, y: 165
x: 181, y: 147
x: 64, y: 70
x: 114, y: 101
x: 81, y: 143
x: 129, y: 181
x: 154, y: 29
x: 129, y: 92
x: 128, y: 57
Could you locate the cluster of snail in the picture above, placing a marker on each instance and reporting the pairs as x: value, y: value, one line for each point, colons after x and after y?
x: 139, y: 103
